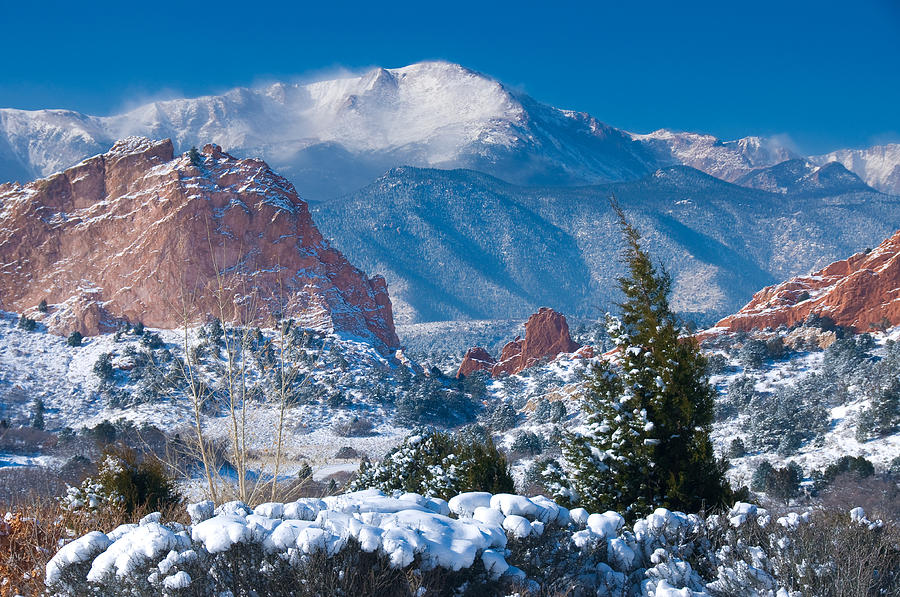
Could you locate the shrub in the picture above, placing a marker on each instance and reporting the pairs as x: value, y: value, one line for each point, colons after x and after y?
x: 127, y: 481
x: 740, y: 394
x: 855, y: 466
x: 736, y: 449
x: 27, y: 324
x: 103, y: 367
x: 500, y: 417
x: 42, y: 306
x: 753, y: 354
x: 428, y: 401
x: 882, y: 416
x: 439, y: 464
x: 151, y: 340
x: 557, y: 411
x: 75, y: 338
x: 355, y: 427
x: 760, y: 479
x: 37, y: 414
x: 791, y: 416
x: 194, y: 157
x: 716, y: 364
x: 346, y: 452
x: 528, y: 443
x: 546, y: 411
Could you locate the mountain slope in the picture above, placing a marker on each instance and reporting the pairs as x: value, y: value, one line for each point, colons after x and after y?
x: 728, y: 160
x: 460, y: 244
x: 802, y: 177
x: 878, y: 165
x: 140, y: 235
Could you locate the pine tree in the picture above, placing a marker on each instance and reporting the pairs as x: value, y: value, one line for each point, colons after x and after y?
x: 649, y: 415
x: 37, y: 414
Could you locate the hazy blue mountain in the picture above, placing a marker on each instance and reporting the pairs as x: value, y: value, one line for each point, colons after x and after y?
x: 460, y: 244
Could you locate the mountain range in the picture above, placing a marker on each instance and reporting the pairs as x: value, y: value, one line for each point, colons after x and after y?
x: 334, y: 136
x: 478, y: 202
x: 461, y: 244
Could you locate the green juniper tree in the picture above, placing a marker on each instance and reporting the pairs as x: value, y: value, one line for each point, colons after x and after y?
x: 37, y: 414
x: 646, y: 440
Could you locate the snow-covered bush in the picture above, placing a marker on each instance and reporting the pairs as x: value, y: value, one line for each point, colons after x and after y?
x: 367, y: 543
x: 787, y: 418
x: 439, y: 464
x: 528, y: 442
x: 753, y: 354
x: 500, y: 417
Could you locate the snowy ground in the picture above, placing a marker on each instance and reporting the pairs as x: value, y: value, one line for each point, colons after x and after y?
x: 40, y: 365
x: 840, y: 440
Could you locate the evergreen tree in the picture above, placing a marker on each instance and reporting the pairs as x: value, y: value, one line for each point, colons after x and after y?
x: 649, y: 415
x: 37, y: 414
x: 194, y: 156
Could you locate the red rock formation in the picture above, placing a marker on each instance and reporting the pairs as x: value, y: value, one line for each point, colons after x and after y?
x: 128, y: 234
x: 855, y: 292
x: 546, y: 335
x: 476, y: 359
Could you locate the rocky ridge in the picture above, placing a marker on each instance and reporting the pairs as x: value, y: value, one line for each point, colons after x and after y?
x: 546, y: 336
x: 140, y: 234
x: 858, y: 293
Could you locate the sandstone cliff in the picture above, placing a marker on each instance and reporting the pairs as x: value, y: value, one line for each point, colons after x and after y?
x: 857, y: 293
x: 546, y: 336
x: 138, y: 234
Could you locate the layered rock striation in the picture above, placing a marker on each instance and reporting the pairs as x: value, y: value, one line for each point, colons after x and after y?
x: 139, y: 234
x: 857, y: 293
x: 546, y: 336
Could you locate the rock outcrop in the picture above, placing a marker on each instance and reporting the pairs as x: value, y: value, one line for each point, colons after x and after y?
x: 476, y: 359
x: 856, y: 293
x: 546, y: 336
x: 139, y: 234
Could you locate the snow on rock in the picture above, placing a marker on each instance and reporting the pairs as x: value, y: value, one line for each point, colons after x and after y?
x: 515, y: 504
x: 179, y: 580
x: 134, y: 548
x: 201, y: 511
x: 579, y: 516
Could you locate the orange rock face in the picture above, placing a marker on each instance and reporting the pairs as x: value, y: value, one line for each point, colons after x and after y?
x: 138, y: 234
x: 476, y: 359
x: 546, y: 335
x: 857, y: 292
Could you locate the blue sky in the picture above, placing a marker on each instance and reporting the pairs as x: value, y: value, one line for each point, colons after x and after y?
x: 825, y: 73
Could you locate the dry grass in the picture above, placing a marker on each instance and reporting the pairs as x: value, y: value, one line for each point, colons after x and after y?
x: 30, y: 535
